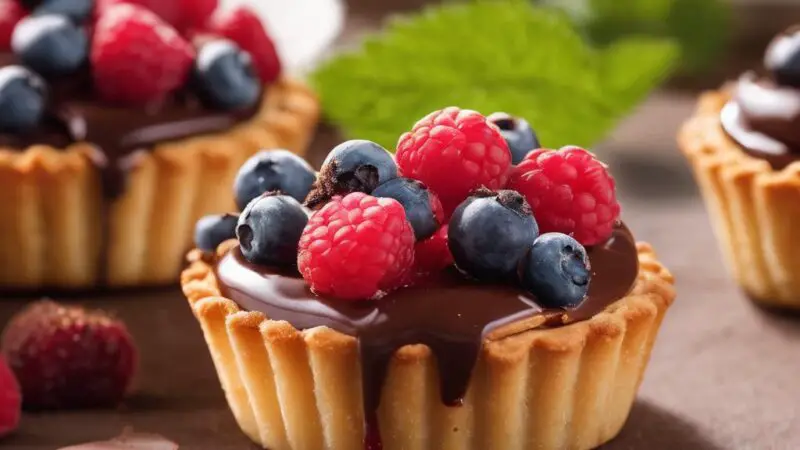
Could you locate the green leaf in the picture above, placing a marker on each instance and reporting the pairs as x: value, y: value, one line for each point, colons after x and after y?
x: 699, y: 26
x: 490, y: 56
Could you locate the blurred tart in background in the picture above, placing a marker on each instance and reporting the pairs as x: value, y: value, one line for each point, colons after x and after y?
x: 122, y: 123
x: 743, y: 143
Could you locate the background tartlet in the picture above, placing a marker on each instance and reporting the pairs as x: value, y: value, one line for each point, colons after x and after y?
x: 737, y: 145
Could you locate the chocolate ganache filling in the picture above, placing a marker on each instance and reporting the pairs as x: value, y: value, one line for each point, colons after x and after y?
x: 763, y: 115
x: 447, y: 312
x: 117, y: 133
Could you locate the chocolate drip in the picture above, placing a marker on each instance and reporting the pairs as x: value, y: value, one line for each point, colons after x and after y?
x: 447, y: 313
x: 764, y: 118
x: 117, y: 133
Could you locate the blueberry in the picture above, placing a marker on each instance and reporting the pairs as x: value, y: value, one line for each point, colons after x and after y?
x: 22, y: 98
x: 225, y: 76
x: 50, y: 44
x: 270, y: 228
x: 352, y: 166
x: 76, y: 10
x: 556, y: 271
x: 422, y: 207
x: 273, y: 170
x: 783, y: 58
x: 490, y: 232
x: 211, y: 231
x: 517, y: 132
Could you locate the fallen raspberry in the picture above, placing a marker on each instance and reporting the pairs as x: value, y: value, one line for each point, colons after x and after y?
x: 67, y: 357
x: 170, y: 11
x: 245, y: 28
x: 137, y: 57
x: 356, y: 247
x: 10, y: 400
x: 454, y: 152
x: 570, y: 192
x: 433, y: 254
x: 10, y: 13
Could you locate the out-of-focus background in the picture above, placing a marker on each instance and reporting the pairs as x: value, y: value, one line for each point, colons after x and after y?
x: 723, y: 375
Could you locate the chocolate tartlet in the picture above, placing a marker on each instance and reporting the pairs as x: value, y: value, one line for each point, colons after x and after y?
x: 343, y: 351
x: 743, y: 144
x: 101, y: 188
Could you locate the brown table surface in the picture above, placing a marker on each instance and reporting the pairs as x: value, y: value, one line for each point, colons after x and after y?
x: 723, y: 374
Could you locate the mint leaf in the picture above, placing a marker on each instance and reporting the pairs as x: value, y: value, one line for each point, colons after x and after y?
x: 490, y: 56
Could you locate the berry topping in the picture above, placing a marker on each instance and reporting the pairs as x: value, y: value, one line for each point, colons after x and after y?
x: 352, y: 166
x: 211, y: 231
x: 433, y: 254
x: 423, y: 208
x: 67, y: 357
x: 22, y: 98
x: 196, y: 13
x: 76, y: 10
x: 556, y: 271
x: 50, y: 44
x: 245, y: 28
x: 357, y: 247
x: 137, y: 57
x: 490, y: 232
x: 783, y: 58
x: 454, y: 151
x: 570, y: 192
x: 273, y: 170
x: 517, y: 132
x: 10, y: 14
x: 269, y: 229
x: 225, y: 76
x: 10, y: 400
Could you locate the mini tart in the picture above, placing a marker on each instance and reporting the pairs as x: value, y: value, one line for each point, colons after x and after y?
x: 570, y: 387
x: 57, y: 231
x: 754, y: 209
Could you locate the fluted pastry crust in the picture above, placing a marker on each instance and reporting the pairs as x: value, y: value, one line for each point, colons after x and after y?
x: 52, y: 213
x: 754, y: 210
x: 560, y: 388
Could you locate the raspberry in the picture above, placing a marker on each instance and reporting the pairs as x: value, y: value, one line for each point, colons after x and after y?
x: 433, y: 254
x: 10, y: 400
x: 137, y: 57
x: 170, y: 11
x: 570, y: 192
x: 196, y: 13
x: 245, y: 28
x: 66, y: 357
x: 356, y: 247
x: 10, y: 13
x: 454, y: 152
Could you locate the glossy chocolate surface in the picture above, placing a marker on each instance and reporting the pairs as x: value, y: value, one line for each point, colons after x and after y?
x: 117, y: 133
x: 764, y: 118
x: 448, y: 313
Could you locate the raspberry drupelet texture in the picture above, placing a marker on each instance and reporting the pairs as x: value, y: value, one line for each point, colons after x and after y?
x: 67, y: 357
x: 454, y: 151
x: 356, y: 247
x: 570, y: 192
x: 137, y: 57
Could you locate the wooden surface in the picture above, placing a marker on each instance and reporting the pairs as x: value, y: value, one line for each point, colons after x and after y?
x: 723, y: 374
